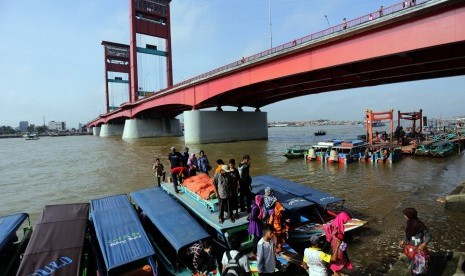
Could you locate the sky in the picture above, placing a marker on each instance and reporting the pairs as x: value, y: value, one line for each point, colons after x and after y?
x: 52, y: 65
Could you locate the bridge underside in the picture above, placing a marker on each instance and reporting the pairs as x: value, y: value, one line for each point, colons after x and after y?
x: 434, y: 62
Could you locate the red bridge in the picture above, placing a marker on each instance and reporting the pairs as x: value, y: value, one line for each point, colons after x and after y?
x: 396, y: 44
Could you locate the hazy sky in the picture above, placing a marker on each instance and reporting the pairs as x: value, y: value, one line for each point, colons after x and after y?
x: 51, y: 59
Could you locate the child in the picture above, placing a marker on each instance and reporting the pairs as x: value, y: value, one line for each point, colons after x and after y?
x: 159, y: 171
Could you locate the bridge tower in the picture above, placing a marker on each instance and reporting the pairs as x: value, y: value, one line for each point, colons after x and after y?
x: 116, y: 60
x: 151, y: 18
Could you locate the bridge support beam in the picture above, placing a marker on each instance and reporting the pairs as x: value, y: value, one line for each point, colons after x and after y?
x: 224, y: 126
x: 142, y: 128
x: 111, y: 130
x: 96, y: 131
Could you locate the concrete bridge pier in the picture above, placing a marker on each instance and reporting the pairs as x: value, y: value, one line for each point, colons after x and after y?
x: 224, y: 126
x: 111, y: 130
x: 96, y: 131
x: 160, y: 127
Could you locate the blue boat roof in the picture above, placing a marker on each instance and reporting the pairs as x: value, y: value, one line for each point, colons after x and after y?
x: 9, y: 225
x: 59, y: 237
x: 120, y: 234
x: 172, y: 220
x: 313, y: 195
x: 289, y: 201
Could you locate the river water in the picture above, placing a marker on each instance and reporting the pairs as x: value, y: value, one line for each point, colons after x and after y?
x: 56, y: 170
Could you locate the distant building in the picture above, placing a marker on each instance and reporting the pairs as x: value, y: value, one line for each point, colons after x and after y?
x: 23, y: 125
x: 58, y: 126
x: 82, y: 128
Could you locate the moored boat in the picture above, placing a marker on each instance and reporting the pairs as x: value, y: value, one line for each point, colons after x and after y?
x: 124, y: 247
x: 381, y: 154
x: 172, y: 229
x: 442, y: 149
x: 296, y: 151
x: 308, y: 208
x: 11, y: 247
x: 347, y: 152
x: 320, y: 151
x: 58, y: 245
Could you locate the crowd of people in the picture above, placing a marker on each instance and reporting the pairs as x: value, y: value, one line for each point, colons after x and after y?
x: 268, y: 225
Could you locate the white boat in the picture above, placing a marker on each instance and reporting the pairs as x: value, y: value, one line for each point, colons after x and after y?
x: 31, y: 136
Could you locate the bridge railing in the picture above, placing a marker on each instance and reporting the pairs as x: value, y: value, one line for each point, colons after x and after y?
x: 329, y: 31
x: 332, y: 30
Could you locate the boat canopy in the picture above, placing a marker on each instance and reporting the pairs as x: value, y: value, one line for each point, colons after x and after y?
x: 8, y: 226
x: 170, y: 218
x: 57, y: 243
x: 313, y: 195
x: 120, y: 234
x: 289, y: 201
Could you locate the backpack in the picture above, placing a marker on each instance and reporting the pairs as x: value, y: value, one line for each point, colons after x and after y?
x: 233, y: 268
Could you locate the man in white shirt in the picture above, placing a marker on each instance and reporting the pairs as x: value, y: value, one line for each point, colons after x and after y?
x: 315, y: 259
x: 230, y: 263
x: 266, y: 259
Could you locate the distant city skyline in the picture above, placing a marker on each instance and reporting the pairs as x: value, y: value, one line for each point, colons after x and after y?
x: 52, y: 66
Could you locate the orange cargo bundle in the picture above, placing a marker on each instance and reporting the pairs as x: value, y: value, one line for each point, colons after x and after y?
x: 200, y: 184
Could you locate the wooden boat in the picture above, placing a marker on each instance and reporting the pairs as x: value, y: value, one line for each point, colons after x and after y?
x: 124, y: 247
x: 442, y: 149
x: 171, y: 229
x: 58, y: 245
x: 296, y: 151
x: 435, y: 149
x: 307, y: 208
x: 320, y: 151
x: 11, y: 247
x: 347, y: 152
x: 206, y: 213
x: 320, y: 133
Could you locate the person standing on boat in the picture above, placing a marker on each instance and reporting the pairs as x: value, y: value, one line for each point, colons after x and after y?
x: 159, y: 170
x: 417, y: 236
x: 278, y: 222
x: 245, y: 187
x: 229, y: 258
x: 200, y: 253
x: 219, y: 165
x: 266, y: 259
x: 185, y: 157
x: 176, y: 167
x: 270, y: 200
x: 192, y: 165
x: 335, y: 235
x: 202, y: 163
x: 315, y: 259
x: 235, y: 179
x: 255, y: 222
x: 222, y: 184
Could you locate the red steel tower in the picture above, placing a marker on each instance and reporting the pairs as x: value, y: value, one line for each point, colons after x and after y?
x: 151, y: 18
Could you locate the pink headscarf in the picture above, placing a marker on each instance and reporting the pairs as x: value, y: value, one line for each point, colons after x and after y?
x: 259, y: 202
x: 336, y: 227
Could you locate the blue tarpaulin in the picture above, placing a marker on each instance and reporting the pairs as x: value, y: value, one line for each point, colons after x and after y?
x: 315, y: 196
x: 172, y: 220
x: 120, y: 234
x: 8, y: 227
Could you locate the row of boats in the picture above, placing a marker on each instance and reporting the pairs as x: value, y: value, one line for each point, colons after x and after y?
x: 348, y: 151
x: 149, y: 231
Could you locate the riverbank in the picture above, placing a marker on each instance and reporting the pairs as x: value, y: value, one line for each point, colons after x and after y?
x: 47, y: 135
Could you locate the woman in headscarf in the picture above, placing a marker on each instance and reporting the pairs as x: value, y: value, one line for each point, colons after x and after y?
x: 270, y: 200
x: 192, y: 165
x: 255, y: 223
x: 335, y: 235
x: 278, y: 222
x: 417, y: 235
